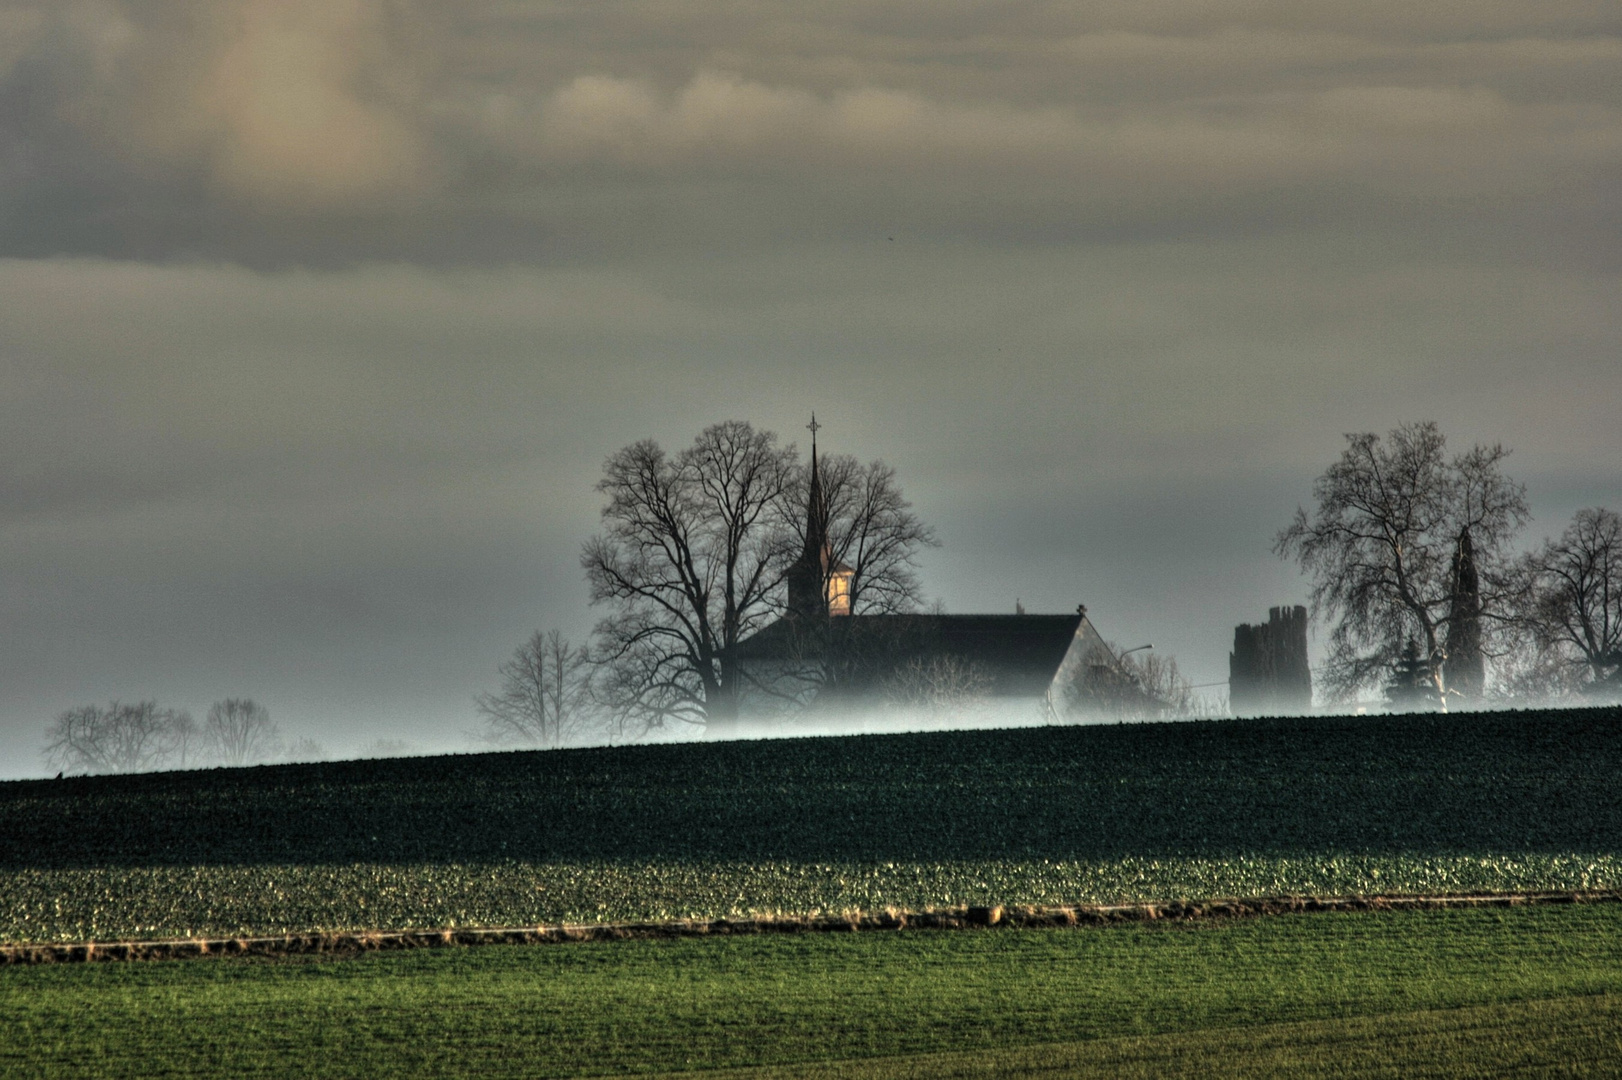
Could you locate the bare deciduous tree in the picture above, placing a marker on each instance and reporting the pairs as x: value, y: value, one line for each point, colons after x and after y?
x: 1530, y: 676
x: 1381, y: 548
x: 120, y: 738
x: 1572, y: 600
x: 691, y: 561
x: 1132, y: 686
x: 240, y: 732
x: 545, y: 696
x: 1173, y: 695
x: 939, y: 685
x: 306, y: 749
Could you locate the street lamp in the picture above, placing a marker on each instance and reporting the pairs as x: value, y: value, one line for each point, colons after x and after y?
x: 1135, y: 678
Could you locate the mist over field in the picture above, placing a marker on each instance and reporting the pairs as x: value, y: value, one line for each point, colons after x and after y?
x: 319, y: 320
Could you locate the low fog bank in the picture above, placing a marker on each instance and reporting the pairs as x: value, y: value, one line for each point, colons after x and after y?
x: 828, y: 723
x: 886, y: 721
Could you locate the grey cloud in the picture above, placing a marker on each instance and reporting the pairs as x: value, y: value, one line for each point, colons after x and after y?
x: 308, y: 132
x: 195, y: 378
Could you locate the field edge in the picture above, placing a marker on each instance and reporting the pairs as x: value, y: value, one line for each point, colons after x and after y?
x: 961, y: 917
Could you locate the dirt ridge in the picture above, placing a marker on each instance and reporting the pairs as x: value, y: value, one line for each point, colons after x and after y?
x: 963, y: 917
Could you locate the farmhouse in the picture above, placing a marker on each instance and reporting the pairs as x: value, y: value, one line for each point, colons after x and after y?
x: 822, y: 659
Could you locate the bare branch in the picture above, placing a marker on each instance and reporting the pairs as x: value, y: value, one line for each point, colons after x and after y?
x: 120, y: 738
x: 690, y: 561
x: 1383, y: 549
x: 240, y: 732
x: 546, y: 694
x: 1570, y: 600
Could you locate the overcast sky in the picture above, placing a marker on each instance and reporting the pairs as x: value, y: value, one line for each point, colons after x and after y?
x: 319, y: 317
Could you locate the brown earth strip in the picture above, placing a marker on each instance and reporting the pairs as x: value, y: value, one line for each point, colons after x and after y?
x: 958, y: 918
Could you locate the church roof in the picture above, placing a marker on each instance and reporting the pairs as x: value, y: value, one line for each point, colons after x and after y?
x: 1020, y: 654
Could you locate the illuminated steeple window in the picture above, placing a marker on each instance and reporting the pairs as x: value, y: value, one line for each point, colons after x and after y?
x: 839, y: 589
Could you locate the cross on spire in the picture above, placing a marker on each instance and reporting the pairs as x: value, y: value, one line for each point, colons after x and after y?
x: 813, y: 427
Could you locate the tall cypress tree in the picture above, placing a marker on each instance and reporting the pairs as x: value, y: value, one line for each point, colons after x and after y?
x: 1465, y: 669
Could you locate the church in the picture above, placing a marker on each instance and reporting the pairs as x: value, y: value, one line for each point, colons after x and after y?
x: 823, y: 661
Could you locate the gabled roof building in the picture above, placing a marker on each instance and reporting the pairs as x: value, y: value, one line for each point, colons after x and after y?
x: 820, y: 659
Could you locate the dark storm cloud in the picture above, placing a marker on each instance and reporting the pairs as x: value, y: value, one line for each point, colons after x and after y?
x: 318, y: 317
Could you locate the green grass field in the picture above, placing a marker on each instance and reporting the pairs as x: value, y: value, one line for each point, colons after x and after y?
x: 1325, y: 806
x: 1478, y: 992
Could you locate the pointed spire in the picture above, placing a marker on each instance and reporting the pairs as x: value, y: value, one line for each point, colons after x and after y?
x: 816, y: 508
x: 807, y: 593
x: 816, y: 482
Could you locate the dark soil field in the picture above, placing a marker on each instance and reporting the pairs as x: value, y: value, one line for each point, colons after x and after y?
x: 1058, y: 815
x: 1511, y: 781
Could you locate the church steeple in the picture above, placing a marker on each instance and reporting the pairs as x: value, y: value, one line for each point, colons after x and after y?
x: 806, y: 595
x: 816, y: 588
